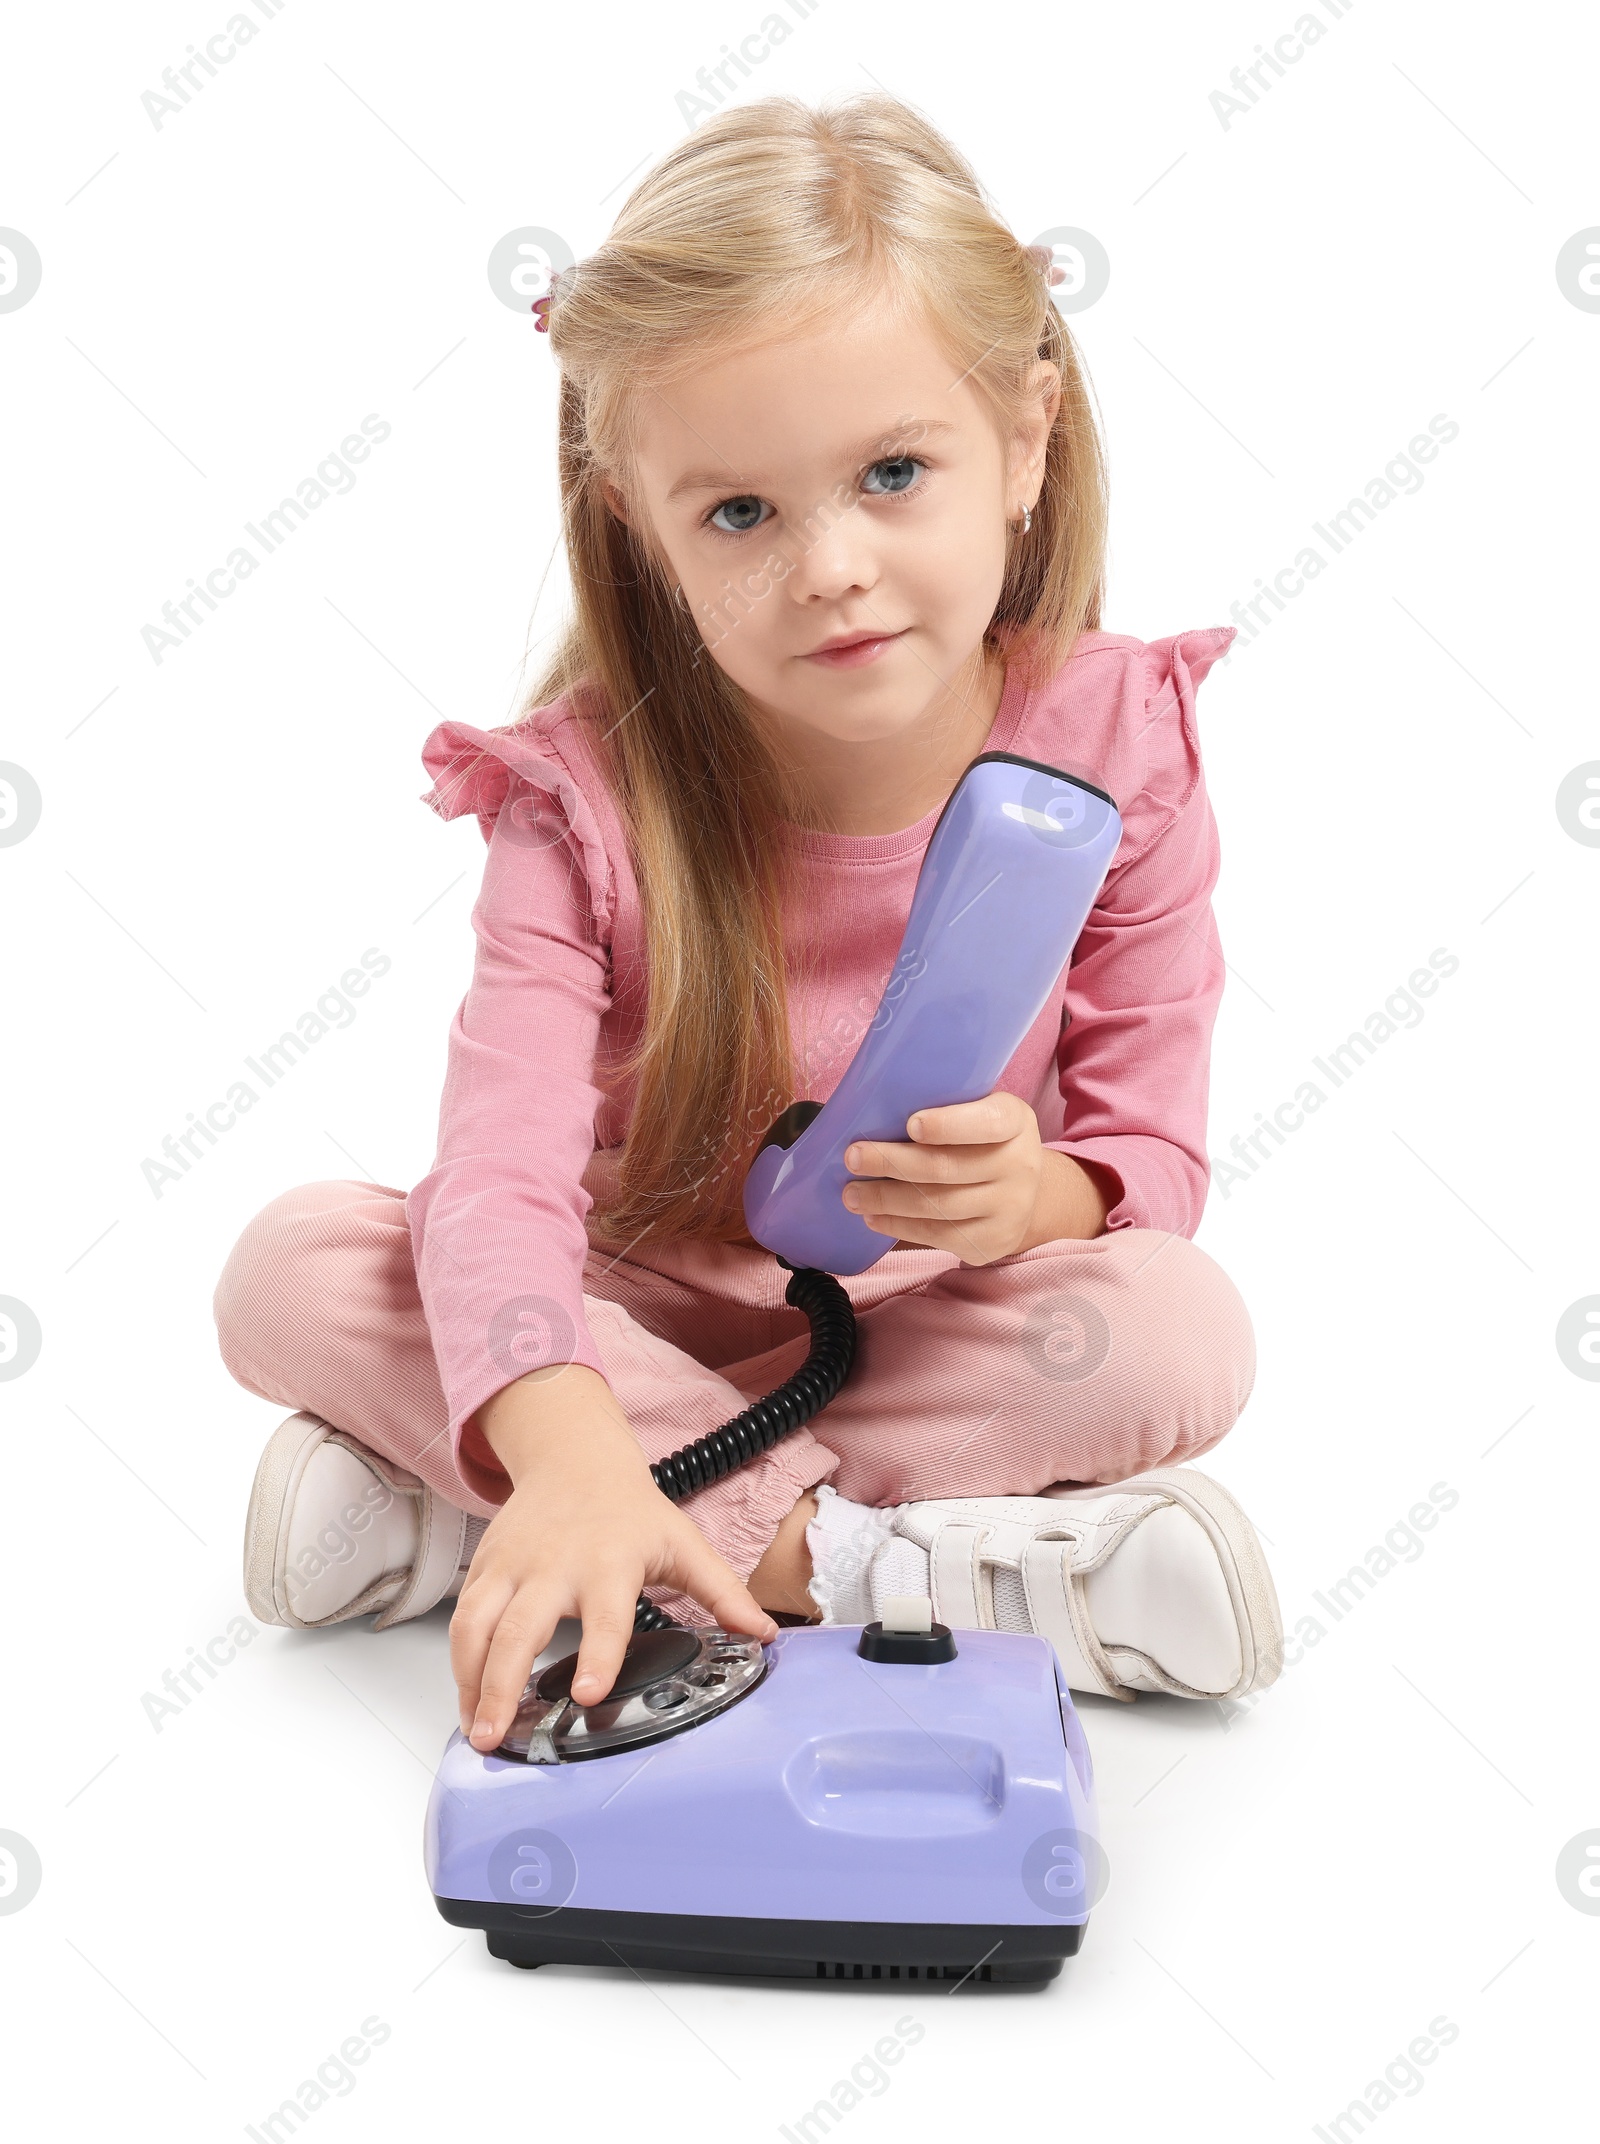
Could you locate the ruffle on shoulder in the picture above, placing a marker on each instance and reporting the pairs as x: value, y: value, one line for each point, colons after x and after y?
x: 1168, y: 742
x: 478, y: 770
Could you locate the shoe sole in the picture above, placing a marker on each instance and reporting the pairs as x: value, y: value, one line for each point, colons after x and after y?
x: 1250, y: 1586
x: 271, y: 1499
x: 289, y: 1451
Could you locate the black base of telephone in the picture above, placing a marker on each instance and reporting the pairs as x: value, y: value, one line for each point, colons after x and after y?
x: 889, y: 1953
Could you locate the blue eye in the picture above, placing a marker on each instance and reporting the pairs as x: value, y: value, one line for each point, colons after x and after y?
x: 745, y: 512
x: 891, y: 477
x: 901, y: 473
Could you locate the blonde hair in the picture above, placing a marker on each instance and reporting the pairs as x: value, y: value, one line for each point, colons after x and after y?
x: 765, y: 212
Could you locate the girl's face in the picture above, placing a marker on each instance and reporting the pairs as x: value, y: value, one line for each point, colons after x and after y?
x: 837, y: 485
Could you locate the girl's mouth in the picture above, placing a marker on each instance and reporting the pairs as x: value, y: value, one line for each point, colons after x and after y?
x: 852, y: 652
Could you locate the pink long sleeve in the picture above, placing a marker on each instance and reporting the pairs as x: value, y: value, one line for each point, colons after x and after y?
x: 1146, y: 977
x: 497, y: 1225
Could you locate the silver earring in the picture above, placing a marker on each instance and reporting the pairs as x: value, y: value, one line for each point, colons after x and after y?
x: 1022, y: 527
x: 678, y: 595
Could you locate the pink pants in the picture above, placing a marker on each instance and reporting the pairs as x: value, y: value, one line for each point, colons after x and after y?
x: 1072, y: 1362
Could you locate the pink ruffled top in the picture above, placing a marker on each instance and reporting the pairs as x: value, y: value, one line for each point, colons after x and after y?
x: 1116, y: 1066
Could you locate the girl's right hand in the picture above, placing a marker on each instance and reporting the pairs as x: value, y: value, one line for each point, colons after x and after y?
x: 583, y: 1530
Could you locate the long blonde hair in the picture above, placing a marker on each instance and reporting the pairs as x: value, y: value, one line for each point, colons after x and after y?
x: 767, y: 210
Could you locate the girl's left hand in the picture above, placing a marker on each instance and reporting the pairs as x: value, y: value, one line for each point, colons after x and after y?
x: 969, y: 1180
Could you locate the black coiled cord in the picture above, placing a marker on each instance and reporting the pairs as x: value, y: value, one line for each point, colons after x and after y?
x: 764, y: 1421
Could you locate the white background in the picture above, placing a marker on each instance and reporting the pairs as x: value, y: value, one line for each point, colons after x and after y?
x: 1296, y: 1893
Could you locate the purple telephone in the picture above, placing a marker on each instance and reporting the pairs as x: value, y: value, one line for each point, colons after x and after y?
x: 1011, y: 872
x: 842, y: 1804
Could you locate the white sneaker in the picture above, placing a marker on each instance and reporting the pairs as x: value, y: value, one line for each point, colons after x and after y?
x: 335, y: 1531
x: 1156, y: 1583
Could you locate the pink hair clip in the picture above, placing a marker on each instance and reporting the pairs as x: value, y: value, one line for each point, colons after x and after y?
x: 541, y: 306
x: 1045, y: 261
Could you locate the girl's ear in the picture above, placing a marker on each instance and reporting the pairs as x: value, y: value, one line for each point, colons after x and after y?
x: 1032, y: 435
x: 614, y: 499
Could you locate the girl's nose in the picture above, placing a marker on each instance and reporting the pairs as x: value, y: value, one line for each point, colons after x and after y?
x: 833, y: 554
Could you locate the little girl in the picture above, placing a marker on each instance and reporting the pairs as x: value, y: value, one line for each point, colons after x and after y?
x: 835, y: 515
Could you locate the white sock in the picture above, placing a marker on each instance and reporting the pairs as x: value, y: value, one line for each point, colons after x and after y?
x: 856, y: 1562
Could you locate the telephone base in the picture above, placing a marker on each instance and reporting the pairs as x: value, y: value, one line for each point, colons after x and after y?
x: 861, y: 1952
